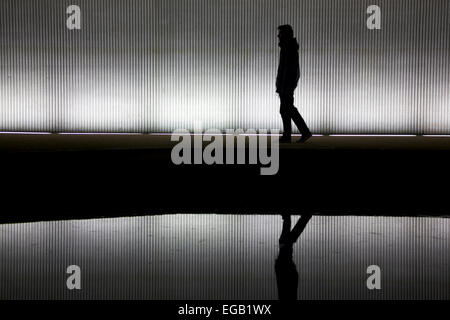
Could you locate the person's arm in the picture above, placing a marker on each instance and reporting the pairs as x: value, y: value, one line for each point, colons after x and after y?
x: 292, y: 73
x: 280, y: 74
x: 284, y: 77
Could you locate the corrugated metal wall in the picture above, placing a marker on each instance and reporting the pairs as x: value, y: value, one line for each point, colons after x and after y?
x: 143, y: 66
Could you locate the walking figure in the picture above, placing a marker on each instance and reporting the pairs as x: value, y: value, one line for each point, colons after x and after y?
x: 287, y: 79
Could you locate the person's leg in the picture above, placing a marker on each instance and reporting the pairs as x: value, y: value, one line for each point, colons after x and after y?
x: 295, y: 115
x: 299, y: 122
x: 299, y: 227
x: 286, y: 230
x: 285, y: 106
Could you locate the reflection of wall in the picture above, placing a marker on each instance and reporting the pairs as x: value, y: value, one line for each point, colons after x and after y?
x: 160, y: 65
x: 224, y: 257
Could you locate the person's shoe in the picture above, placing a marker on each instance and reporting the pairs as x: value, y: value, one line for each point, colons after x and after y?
x: 304, y: 137
x: 285, y: 139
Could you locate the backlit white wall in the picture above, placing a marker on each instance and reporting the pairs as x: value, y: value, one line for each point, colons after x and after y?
x: 158, y: 65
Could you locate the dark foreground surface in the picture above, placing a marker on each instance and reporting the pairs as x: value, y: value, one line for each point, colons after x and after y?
x: 62, y: 177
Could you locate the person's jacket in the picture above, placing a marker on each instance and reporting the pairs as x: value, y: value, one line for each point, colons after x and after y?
x: 288, y: 68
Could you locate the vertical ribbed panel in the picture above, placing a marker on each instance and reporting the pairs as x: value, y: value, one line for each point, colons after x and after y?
x: 141, y: 66
x: 224, y: 257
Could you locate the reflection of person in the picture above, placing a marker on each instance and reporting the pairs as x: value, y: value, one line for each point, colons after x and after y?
x: 285, y: 269
x: 287, y: 79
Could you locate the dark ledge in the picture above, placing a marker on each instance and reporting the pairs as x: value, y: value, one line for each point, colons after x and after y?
x: 81, y: 178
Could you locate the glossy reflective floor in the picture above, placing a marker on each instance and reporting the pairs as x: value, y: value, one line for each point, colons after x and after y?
x: 212, y: 256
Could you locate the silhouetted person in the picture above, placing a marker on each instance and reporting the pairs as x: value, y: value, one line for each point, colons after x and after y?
x: 287, y: 79
x: 285, y: 269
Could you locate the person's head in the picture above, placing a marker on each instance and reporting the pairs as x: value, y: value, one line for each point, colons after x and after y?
x: 285, y: 32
